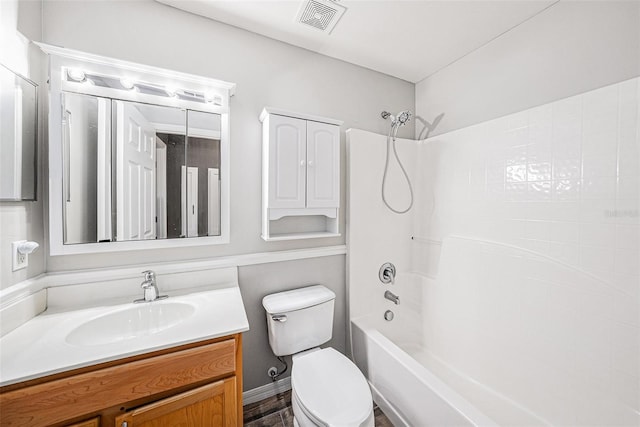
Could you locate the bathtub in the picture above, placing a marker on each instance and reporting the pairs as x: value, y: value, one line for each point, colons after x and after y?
x: 491, y: 344
x: 414, y: 388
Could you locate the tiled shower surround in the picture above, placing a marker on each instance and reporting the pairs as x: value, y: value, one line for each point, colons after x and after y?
x: 562, y: 180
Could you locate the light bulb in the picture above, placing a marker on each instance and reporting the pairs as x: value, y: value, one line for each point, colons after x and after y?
x: 127, y: 83
x: 210, y: 96
x: 171, y: 91
x: 76, y: 75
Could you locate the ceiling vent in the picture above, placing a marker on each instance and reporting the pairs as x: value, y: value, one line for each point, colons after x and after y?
x: 322, y: 15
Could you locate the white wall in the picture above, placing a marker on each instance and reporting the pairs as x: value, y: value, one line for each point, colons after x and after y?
x: 22, y: 220
x: 267, y: 72
x: 561, y: 180
x: 376, y: 235
x: 570, y: 48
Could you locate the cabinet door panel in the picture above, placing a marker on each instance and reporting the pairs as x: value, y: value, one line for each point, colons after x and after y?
x: 93, y: 422
x: 212, y: 405
x: 323, y: 165
x: 287, y: 162
x: 66, y: 398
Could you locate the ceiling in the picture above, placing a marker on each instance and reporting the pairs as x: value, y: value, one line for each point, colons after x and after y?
x: 406, y: 39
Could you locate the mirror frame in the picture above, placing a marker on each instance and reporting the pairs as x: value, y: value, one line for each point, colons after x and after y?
x: 36, y: 142
x: 61, y: 59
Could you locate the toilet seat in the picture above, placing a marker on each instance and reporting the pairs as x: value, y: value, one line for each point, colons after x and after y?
x: 331, y: 390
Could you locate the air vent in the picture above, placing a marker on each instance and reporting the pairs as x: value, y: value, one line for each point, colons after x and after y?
x: 322, y: 15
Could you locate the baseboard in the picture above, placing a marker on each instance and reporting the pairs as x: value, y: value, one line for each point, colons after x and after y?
x: 259, y: 393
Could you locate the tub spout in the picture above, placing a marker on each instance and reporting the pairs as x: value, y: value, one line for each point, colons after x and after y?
x: 392, y: 297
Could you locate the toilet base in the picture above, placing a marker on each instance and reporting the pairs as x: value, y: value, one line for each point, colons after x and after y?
x: 300, y: 418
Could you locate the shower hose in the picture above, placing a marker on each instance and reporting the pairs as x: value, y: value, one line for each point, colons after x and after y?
x: 392, y: 143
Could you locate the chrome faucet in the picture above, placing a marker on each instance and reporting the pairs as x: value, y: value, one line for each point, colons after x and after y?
x: 392, y: 297
x: 151, y: 292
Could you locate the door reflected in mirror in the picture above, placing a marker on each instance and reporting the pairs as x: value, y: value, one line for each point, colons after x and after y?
x: 136, y: 171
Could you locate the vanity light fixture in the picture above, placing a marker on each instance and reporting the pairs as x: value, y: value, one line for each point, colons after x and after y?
x: 209, y: 96
x: 76, y: 75
x: 127, y: 83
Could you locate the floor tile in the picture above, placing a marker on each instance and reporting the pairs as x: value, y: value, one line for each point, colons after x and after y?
x: 287, y: 417
x: 276, y: 403
x: 271, y: 420
x: 381, y: 419
x: 276, y: 411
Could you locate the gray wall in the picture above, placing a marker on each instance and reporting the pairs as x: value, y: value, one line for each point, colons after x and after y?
x: 23, y: 220
x: 260, y: 280
x: 570, y: 48
x: 267, y: 72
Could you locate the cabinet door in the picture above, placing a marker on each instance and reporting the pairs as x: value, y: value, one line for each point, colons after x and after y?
x: 287, y: 162
x: 323, y: 165
x: 93, y: 422
x: 213, y: 405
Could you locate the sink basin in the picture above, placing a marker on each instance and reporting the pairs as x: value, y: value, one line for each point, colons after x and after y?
x: 133, y: 322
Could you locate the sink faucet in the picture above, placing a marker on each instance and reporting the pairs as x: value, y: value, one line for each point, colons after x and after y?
x: 392, y: 297
x: 151, y: 292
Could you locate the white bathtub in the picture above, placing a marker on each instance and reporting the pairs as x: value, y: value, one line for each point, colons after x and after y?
x: 483, y: 345
x: 414, y: 388
x: 408, y: 392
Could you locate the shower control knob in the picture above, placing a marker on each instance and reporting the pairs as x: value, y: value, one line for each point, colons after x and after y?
x: 387, y: 273
x: 388, y: 315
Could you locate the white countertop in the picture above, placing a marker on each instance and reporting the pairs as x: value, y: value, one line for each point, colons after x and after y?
x: 39, y: 347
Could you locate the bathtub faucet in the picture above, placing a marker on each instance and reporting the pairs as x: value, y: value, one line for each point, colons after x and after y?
x: 392, y: 297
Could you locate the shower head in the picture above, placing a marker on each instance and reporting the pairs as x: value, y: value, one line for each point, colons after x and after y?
x: 400, y: 120
x: 403, y: 117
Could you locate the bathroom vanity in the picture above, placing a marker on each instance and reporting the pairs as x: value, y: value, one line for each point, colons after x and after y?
x: 96, y: 358
x: 198, y: 384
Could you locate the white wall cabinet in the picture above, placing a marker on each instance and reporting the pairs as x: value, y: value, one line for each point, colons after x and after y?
x: 301, y: 175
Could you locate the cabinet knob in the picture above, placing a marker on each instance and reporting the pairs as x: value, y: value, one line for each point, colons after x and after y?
x: 302, y: 162
x: 310, y: 163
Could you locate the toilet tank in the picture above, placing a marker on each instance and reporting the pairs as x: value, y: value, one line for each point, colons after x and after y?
x: 299, y: 319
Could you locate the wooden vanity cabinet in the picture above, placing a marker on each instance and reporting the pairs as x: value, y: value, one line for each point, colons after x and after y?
x: 210, y: 405
x: 198, y: 385
x: 93, y: 422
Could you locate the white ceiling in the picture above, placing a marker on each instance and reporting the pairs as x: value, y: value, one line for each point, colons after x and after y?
x: 406, y: 39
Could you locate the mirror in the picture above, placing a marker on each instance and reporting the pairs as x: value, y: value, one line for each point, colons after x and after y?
x: 18, y: 136
x: 135, y: 171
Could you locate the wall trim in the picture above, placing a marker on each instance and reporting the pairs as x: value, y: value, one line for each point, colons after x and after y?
x: 265, y: 391
x: 73, y: 277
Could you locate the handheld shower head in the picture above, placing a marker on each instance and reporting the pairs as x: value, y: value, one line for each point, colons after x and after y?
x: 400, y: 120
x: 403, y: 117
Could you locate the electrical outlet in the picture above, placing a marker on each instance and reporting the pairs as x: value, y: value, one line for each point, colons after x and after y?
x: 20, y: 260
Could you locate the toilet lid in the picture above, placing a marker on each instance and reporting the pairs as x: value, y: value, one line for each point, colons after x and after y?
x: 331, y: 388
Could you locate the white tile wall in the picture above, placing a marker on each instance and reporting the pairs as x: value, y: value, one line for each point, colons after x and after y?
x: 562, y: 180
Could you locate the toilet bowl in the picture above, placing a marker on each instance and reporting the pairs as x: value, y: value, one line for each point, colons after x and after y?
x: 328, y: 389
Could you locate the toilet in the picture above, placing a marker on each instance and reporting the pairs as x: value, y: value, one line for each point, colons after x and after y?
x: 327, y: 389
